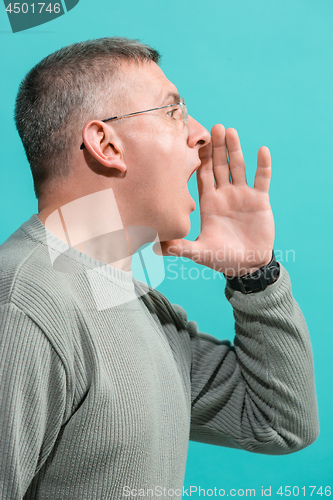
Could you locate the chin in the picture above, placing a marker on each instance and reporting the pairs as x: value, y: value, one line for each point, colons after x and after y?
x: 178, y: 231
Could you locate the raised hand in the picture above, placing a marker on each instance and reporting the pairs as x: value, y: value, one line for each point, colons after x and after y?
x: 237, y: 225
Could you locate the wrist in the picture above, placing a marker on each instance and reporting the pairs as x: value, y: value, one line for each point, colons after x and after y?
x: 245, y: 271
x: 250, y: 262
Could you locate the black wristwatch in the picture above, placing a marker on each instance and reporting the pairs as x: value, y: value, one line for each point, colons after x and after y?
x: 257, y: 281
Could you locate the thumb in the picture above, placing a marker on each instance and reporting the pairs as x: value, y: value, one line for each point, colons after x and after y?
x: 177, y: 248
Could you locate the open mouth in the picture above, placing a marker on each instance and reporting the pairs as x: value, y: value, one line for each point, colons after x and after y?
x: 196, y: 168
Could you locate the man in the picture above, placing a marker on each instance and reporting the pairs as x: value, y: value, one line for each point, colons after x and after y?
x: 103, y: 381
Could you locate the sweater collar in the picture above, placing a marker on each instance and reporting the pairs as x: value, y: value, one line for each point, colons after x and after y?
x: 68, y: 259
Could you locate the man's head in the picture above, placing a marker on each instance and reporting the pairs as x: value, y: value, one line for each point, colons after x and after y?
x: 146, y: 159
x: 62, y: 92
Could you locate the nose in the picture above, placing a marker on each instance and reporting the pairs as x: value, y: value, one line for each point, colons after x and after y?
x: 198, y: 136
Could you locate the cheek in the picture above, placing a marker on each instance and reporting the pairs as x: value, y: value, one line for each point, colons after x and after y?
x: 156, y: 164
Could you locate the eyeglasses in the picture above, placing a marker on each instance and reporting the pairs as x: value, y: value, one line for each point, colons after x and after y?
x: 181, y: 103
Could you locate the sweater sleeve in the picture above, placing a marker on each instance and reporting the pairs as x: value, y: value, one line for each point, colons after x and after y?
x: 257, y: 394
x: 33, y: 400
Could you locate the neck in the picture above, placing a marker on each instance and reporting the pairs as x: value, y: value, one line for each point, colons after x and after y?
x: 92, y: 224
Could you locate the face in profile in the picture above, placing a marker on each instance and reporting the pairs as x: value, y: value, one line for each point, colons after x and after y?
x: 160, y: 152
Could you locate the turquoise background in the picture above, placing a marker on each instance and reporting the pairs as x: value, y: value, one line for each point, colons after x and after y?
x: 265, y: 68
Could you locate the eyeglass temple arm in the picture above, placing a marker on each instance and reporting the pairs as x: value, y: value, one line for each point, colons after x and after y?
x: 145, y: 111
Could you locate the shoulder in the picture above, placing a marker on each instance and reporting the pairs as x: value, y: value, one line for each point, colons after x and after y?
x: 31, y: 289
x: 26, y: 273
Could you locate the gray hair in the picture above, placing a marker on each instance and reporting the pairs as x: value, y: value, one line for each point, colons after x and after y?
x: 62, y: 92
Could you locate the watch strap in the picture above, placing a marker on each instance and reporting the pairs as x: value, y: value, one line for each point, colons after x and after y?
x: 257, y: 281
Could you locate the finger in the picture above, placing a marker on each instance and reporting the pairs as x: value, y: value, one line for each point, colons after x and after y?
x: 263, y: 174
x: 236, y: 159
x: 220, y: 158
x: 205, y: 174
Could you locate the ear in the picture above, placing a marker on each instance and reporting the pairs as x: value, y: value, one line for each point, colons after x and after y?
x: 103, y: 144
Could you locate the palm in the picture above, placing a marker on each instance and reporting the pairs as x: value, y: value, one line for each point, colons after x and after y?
x: 237, y: 226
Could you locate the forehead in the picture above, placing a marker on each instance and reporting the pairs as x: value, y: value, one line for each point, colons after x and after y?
x: 145, y: 82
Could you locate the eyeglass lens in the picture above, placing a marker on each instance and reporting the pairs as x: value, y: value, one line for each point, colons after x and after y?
x: 184, y: 111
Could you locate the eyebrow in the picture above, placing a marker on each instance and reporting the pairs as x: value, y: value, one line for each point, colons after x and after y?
x: 173, y: 95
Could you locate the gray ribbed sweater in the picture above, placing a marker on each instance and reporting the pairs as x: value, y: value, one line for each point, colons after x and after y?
x: 96, y: 400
